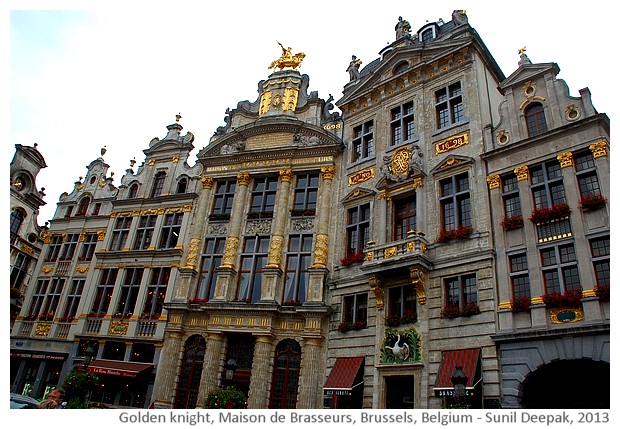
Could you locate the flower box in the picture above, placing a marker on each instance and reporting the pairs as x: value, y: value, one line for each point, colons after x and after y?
x: 395, y: 320
x: 460, y: 233
x: 303, y: 212
x: 511, y: 223
x: 352, y: 259
x: 219, y: 216
x: 292, y: 302
x: 260, y: 215
x: 590, y: 203
x: 520, y: 304
x: 451, y: 311
x: 602, y: 292
x: 552, y: 213
x: 67, y: 319
x: 351, y: 326
x: 568, y: 299
x: 198, y: 300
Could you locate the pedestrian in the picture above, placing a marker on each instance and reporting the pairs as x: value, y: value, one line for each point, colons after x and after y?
x: 54, y: 399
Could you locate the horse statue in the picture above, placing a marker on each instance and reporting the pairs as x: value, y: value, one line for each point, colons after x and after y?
x: 287, y: 59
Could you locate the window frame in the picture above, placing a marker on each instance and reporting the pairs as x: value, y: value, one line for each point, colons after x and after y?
x: 223, y: 196
x: 449, y: 105
x: 535, y: 119
x: 458, y: 285
x: 263, y: 195
x: 253, y: 259
x: 129, y: 290
x: 556, y: 265
x: 120, y: 233
x: 144, y: 232
x: 158, y: 184
x: 156, y: 291
x: 362, y: 144
x: 305, y: 195
x: 402, y: 124
x: 404, y: 221
x: 601, y: 259
x: 357, y: 231
x: 452, y: 194
x: 296, y: 274
x: 519, y: 276
x: 547, y: 184
x: 211, y: 259
x: 170, y: 230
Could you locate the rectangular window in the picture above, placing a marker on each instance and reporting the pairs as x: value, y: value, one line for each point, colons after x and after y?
x: 120, y: 233
x: 129, y: 292
x: 449, y: 105
x: 52, y: 298
x: 54, y: 248
x: 402, y: 124
x: 223, y: 197
x: 264, y: 196
x: 144, y: 232
x: 19, y: 270
x: 298, y: 259
x: 585, y: 170
x: 455, y: 202
x: 211, y: 259
x: 402, y: 304
x: 404, y: 216
x: 461, y: 290
x: 519, y: 276
x: 170, y: 230
x: 103, y: 292
x: 599, y: 247
x: 37, y: 299
x: 547, y: 185
x: 363, y: 145
x: 253, y: 260
x: 358, y: 229
x: 355, y: 309
x: 306, y: 191
x: 88, y: 247
x: 73, y: 300
x: 559, y: 268
x: 510, y: 195
x: 69, y: 246
x: 156, y: 292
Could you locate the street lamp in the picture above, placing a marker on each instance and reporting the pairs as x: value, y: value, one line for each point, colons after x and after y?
x: 89, y: 353
x: 459, y: 380
x: 231, y: 366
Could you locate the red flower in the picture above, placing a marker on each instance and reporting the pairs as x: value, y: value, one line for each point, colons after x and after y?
x: 552, y: 213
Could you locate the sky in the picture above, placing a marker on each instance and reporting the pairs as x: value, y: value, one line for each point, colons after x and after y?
x: 83, y: 75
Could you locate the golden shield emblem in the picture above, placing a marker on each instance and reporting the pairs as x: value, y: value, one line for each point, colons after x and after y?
x: 400, y: 161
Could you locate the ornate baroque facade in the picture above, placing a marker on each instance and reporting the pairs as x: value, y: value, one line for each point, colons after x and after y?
x: 315, y: 259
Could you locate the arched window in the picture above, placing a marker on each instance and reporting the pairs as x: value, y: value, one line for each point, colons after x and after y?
x: 535, y: 119
x: 285, y: 381
x: 83, y: 207
x: 158, y: 184
x: 133, y: 191
x: 191, y: 371
x: 401, y: 67
x: 182, y: 186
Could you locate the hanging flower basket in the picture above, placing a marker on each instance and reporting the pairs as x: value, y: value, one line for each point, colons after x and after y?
x: 592, y: 202
x: 552, y: 213
x: 512, y: 222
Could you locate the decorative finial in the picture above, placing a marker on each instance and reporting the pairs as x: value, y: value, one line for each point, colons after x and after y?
x: 132, y: 162
x: 103, y: 150
x: 80, y: 179
x: 178, y: 117
x: 522, y: 50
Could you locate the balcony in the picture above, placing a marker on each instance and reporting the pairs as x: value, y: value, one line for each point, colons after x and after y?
x: 397, y: 255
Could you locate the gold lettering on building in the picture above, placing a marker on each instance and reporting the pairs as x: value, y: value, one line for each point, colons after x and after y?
x: 361, y: 176
x: 451, y: 143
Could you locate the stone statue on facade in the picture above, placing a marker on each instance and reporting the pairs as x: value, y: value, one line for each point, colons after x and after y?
x: 403, y: 28
x: 231, y: 148
x: 459, y: 17
x: 354, y: 68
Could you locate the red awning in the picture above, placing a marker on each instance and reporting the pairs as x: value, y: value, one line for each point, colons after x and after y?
x: 346, y: 374
x: 117, y: 367
x: 467, y: 358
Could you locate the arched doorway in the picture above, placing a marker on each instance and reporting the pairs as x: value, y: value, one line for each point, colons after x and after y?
x: 568, y: 384
x: 285, y: 381
x: 191, y: 370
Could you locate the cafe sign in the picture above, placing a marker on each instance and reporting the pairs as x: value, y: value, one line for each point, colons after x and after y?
x: 451, y: 143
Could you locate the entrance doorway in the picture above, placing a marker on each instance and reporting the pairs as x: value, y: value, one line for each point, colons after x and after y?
x: 568, y: 384
x: 399, y: 392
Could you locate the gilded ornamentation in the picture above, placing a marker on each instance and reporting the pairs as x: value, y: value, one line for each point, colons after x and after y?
x: 43, y: 329
x: 275, y: 251
x: 411, y: 246
x: 289, y: 100
x: 376, y: 286
x: 151, y: 162
x: 81, y: 269
x: 28, y: 249
x: 286, y: 175
x: 451, y: 143
x: 118, y: 327
x: 320, y: 250
x: 207, y: 182
x: 529, y: 90
x: 82, y: 236
x: 100, y: 235
x: 390, y: 252
x: 328, y: 172
x: 192, y: 253
x: 502, y: 137
x: 400, y: 161
x: 287, y: 59
x: 47, y: 269
x: 572, y: 112
x: 230, y: 252
x: 418, y: 182
x: 565, y: 315
x: 506, y: 305
x: 493, y: 181
x: 522, y: 172
x: 175, y: 159
x: 46, y: 237
x: 599, y: 149
x: 566, y: 159
x: 265, y: 102
x: 243, y: 179
x: 361, y: 176
x: 418, y: 279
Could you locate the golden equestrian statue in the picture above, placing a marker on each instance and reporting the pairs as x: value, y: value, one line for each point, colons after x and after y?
x: 287, y: 59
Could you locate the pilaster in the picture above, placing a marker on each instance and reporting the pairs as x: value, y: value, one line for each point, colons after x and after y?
x: 211, y: 367
x: 166, y: 375
x: 260, y: 381
x: 310, y: 374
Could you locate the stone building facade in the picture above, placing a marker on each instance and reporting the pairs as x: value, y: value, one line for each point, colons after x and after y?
x: 315, y: 259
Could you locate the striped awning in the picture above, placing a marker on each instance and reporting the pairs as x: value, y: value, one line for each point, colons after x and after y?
x: 346, y: 374
x: 116, y: 367
x: 468, y: 359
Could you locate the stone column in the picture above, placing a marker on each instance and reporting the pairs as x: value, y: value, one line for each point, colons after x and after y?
x: 310, y: 374
x: 212, y: 365
x: 273, y: 270
x: 260, y: 381
x: 321, y: 243
x: 232, y: 242
x: 166, y: 376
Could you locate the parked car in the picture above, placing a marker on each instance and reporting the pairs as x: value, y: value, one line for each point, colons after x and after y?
x: 23, y: 401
